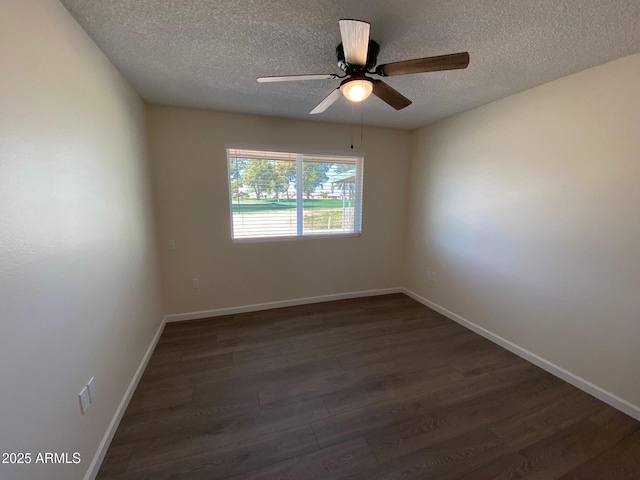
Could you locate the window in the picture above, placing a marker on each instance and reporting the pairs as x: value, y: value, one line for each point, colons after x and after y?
x: 278, y: 194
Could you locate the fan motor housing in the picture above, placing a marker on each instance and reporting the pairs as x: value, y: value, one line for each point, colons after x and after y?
x: 372, y: 59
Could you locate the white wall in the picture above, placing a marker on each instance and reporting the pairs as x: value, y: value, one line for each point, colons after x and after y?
x: 190, y: 179
x: 528, y: 210
x: 79, y: 294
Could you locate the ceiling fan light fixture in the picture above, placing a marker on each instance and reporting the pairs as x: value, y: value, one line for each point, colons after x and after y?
x: 357, y: 90
x: 357, y: 57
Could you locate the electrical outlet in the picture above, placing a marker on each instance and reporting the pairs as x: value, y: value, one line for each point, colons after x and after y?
x: 171, y: 244
x: 84, y: 399
x: 195, y: 283
x: 91, y: 386
x: 433, y: 276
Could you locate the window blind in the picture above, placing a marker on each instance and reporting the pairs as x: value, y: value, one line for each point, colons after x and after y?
x: 286, y: 194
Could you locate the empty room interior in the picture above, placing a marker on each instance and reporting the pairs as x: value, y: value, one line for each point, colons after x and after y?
x: 319, y: 240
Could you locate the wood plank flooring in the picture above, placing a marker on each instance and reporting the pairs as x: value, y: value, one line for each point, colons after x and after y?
x: 365, y: 389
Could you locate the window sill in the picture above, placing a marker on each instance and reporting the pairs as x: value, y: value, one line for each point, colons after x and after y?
x: 290, y: 238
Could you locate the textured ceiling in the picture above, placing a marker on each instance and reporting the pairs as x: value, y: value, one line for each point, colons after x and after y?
x: 208, y: 53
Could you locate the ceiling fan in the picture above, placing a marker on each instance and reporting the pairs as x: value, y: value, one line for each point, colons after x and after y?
x: 357, y: 58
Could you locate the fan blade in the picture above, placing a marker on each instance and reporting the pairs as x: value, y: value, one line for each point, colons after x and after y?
x: 355, y: 41
x: 294, y: 78
x: 328, y: 100
x: 454, y: 61
x: 387, y: 94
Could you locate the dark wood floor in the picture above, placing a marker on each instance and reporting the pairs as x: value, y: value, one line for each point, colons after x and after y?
x: 365, y: 389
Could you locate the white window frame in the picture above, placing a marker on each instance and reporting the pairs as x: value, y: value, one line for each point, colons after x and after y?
x: 300, y: 234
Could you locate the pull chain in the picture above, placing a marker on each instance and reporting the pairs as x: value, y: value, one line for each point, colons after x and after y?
x: 351, y: 126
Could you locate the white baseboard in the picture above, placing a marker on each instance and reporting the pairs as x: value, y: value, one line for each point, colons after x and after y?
x: 179, y: 317
x: 94, y: 467
x: 579, y: 382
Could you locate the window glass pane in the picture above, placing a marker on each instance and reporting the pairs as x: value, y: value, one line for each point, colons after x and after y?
x: 263, y: 197
x: 265, y: 200
x: 329, y: 197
